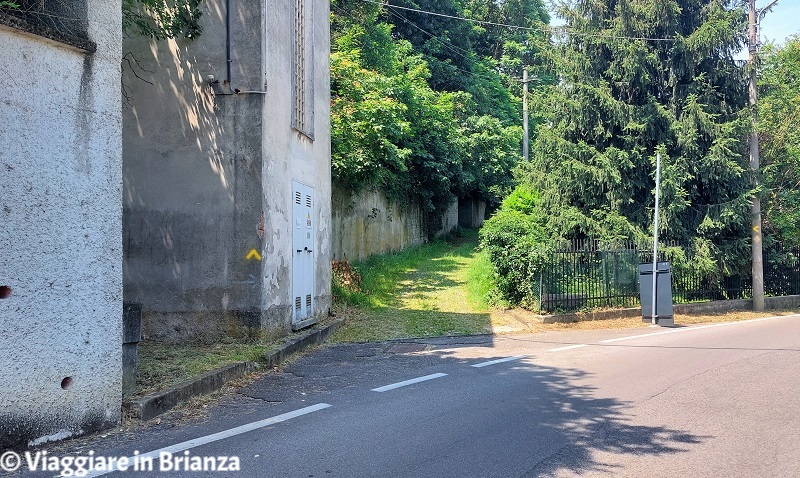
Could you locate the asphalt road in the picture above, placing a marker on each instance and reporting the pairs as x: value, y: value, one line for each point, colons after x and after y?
x: 715, y: 400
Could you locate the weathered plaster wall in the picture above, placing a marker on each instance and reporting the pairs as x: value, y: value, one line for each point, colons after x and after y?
x: 193, y: 184
x: 203, y: 165
x: 368, y: 224
x: 290, y: 155
x: 449, y: 219
x: 60, y: 177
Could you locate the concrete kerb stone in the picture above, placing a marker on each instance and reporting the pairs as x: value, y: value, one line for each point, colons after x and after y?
x: 160, y: 402
x: 297, y: 344
x: 592, y: 315
x: 155, y: 404
x: 713, y: 307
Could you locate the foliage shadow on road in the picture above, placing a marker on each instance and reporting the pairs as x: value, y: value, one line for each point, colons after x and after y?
x: 585, y: 433
x: 568, y: 427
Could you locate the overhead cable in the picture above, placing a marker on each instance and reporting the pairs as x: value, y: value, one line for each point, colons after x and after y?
x: 548, y: 29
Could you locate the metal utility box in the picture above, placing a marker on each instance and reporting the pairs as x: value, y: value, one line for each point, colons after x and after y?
x: 302, y: 255
x: 664, y: 312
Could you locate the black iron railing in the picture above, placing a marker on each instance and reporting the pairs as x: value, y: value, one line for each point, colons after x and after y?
x: 587, y: 275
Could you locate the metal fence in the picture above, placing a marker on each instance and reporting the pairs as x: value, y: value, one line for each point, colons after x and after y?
x: 586, y: 275
x: 782, y: 272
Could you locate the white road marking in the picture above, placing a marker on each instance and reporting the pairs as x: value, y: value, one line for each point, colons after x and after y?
x: 568, y: 347
x: 672, y: 331
x: 493, y: 362
x: 392, y: 386
x: 179, y: 447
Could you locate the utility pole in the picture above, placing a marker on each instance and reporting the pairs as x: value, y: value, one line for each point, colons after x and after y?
x: 525, y: 115
x: 755, y: 17
x: 654, y: 314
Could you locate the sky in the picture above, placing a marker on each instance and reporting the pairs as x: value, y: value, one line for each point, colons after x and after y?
x: 782, y: 22
x: 778, y: 25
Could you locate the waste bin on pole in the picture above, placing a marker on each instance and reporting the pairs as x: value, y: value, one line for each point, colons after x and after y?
x: 665, y: 316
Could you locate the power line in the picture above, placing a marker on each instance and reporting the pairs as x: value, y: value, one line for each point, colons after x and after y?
x: 547, y: 29
x: 456, y: 50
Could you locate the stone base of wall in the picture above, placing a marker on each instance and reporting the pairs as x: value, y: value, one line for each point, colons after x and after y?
x: 784, y: 302
x: 714, y: 307
x: 592, y: 315
x: 18, y: 432
x: 201, y: 327
x: 215, y: 326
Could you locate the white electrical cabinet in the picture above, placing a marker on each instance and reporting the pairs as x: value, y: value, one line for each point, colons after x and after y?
x: 302, y: 254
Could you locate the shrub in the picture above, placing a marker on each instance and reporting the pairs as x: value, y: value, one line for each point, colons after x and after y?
x: 518, y: 246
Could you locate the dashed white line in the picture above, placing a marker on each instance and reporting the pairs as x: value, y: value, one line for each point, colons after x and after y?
x: 673, y: 331
x: 493, y: 362
x: 179, y: 447
x: 392, y: 386
x: 568, y: 347
x: 687, y: 329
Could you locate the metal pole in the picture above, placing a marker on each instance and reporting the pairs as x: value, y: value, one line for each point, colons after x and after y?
x: 655, y: 239
x: 541, y: 286
x: 525, y: 115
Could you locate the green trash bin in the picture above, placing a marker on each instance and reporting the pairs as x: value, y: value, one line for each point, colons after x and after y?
x: 665, y: 316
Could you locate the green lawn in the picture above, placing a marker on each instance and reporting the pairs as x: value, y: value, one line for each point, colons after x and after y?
x: 430, y: 290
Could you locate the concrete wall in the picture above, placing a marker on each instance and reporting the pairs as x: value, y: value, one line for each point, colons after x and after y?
x: 698, y: 308
x: 60, y: 177
x: 290, y: 155
x: 721, y: 306
x: 449, y: 219
x: 208, y: 176
x: 368, y: 224
x: 784, y: 302
x: 471, y: 212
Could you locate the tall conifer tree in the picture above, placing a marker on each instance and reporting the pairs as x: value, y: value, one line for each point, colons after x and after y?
x: 637, y: 77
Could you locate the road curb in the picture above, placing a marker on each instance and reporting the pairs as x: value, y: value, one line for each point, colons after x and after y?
x: 160, y: 402
x: 710, y: 307
x: 157, y: 403
x: 592, y: 315
x: 314, y: 337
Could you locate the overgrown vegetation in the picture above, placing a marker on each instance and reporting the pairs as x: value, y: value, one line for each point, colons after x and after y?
x: 636, y: 79
x: 446, y: 288
x: 426, y: 108
x: 162, y: 19
x: 517, y: 244
x: 423, y: 291
x: 164, y: 365
x: 779, y: 129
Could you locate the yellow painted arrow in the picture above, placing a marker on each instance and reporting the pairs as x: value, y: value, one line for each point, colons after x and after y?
x: 253, y: 254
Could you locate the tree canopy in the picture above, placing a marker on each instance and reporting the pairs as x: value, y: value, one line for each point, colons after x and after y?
x: 162, y: 19
x: 636, y: 79
x: 779, y: 130
x: 426, y: 108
